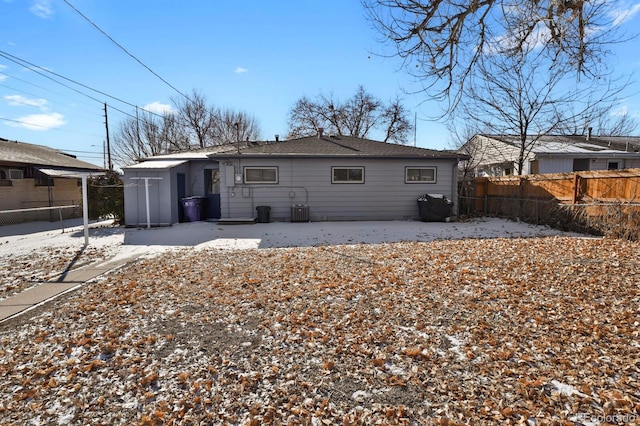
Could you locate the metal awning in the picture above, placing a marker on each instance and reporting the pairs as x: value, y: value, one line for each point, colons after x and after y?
x: 65, y: 173
x: 78, y: 174
x: 155, y: 165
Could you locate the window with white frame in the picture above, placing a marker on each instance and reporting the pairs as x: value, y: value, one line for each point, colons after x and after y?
x: 347, y: 174
x: 420, y: 175
x: 613, y: 165
x: 260, y: 175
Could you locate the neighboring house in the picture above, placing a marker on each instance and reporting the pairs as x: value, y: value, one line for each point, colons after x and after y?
x: 32, y: 176
x: 497, y: 155
x: 320, y: 178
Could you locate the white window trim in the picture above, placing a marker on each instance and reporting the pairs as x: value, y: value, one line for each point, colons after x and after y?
x: 264, y: 182
x: 435, y: 174
x: 342, y: 182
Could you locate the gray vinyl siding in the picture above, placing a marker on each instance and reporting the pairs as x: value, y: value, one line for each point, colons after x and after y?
x: 383, y: 196
x: 564, y: 164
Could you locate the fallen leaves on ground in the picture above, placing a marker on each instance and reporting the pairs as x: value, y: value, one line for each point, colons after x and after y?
x: 509, y: 331
x: 20, y: 272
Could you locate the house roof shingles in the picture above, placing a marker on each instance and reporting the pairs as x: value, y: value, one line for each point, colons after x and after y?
x: 21, y: 153
x: 334, y: 146
x: 311, y: 147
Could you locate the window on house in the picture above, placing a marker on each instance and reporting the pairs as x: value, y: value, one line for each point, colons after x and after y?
x: 4, y: 179
x: 347, y: 174
x: 16, y: 174
x: 260, y: 175
x: 613, y: 165
x: 420, y: 175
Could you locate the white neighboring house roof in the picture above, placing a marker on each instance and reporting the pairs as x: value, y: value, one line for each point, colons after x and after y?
x: 63, y: 173
x: 584, y: 149
x: 155, y: 165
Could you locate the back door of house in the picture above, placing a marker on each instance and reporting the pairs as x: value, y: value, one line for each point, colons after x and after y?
x: 181, y: 181
x: 212, y: 193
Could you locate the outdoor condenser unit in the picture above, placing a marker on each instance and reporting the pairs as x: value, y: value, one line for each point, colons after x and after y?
x: 300, y: 213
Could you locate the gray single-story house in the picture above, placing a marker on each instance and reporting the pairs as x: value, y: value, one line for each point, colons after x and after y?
x: 318, y: 178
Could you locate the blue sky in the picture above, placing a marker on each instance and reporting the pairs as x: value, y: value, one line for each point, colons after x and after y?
x: 255, y: 56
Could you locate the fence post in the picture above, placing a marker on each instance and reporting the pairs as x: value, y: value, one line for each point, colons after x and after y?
x: 61, y: 222
x: 576, y: 186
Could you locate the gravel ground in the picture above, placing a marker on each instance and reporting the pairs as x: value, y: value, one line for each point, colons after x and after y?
x: 473, y: 331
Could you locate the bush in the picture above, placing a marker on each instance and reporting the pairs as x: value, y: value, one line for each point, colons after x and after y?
x: 106, y: 196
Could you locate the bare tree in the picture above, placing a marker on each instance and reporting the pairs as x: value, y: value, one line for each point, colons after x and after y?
x: 507, y: 94
x: 358, y: 116
x: 197, y: 117
x: 194, y: 125
x: 233, y: 126
x: 440, y: 41
x: 146, y: 135
x: 607, y: 120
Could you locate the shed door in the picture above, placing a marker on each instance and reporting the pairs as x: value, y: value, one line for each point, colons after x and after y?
x: 212, y: 193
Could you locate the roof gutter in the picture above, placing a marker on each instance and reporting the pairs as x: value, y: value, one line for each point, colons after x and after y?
x: 457, y: 157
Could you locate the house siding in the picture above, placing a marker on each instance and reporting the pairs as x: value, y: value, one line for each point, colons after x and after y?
x: 383, y: 196
x: 24, y: 194
x: 565, y: 164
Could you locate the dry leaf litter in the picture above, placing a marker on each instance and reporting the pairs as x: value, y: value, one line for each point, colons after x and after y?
x: 18, y: 271
x: 498, y: 331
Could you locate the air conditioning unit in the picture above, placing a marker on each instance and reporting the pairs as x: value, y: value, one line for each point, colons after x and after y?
x: 15, y: 174
x: 300, y: 213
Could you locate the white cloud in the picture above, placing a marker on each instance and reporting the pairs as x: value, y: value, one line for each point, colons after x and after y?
x: 19, y: 100
x: 3, y: 77
x: 39, y: 121
x: 158, y: 108
x: 620, y: 16
x: 42, y: 8
x: 240, y: 70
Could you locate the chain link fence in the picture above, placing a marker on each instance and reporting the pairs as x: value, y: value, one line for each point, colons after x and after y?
x: 40, y: 214
x: 610, y: 219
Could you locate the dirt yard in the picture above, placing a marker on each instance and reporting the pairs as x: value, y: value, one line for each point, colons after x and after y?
x: 474, y: 331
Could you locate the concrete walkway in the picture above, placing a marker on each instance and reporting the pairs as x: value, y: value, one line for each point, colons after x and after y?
x: 35, y: 296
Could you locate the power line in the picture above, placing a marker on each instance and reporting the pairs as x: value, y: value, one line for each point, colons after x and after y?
x: 26, y: 123
x: 125, y: 50
x: 22, y: 62
x: 36, y: 85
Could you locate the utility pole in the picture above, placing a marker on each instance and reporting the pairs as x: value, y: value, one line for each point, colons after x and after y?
x: 106, y: 124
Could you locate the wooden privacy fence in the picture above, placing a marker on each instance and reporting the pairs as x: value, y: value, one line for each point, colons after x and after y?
x: 606, y: 202
x: 605, y: 186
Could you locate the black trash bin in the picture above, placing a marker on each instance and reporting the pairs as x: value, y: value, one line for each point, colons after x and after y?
x: 193, y: 208
x: 434, y: 208
x: 264, y: 214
